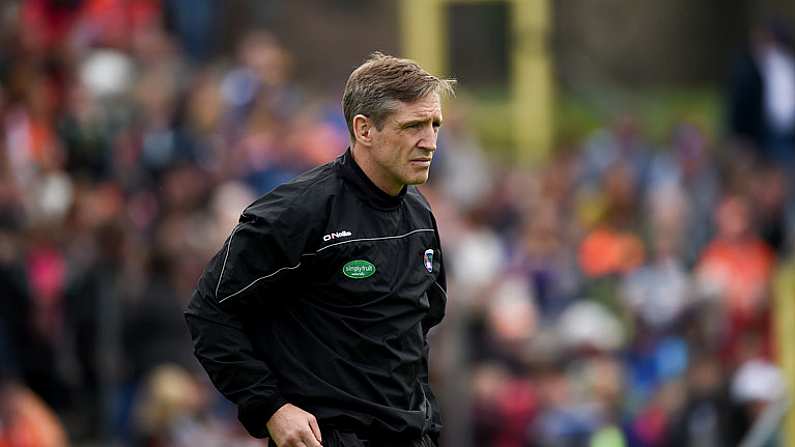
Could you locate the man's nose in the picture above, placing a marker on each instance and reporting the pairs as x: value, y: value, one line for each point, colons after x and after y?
x: 428, y: 140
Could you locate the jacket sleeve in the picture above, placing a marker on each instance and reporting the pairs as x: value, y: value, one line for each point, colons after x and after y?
x: 437, y: 297
x: 265, y: 247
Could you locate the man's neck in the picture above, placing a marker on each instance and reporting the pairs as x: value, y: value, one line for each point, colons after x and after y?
x: 365, y: 162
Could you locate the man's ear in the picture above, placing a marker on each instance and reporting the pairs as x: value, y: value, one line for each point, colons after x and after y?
x: 363, y: 130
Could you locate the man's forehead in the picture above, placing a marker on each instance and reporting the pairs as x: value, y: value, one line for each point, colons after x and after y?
x: 428, y: 107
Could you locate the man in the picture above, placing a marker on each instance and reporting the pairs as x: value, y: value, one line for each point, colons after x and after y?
x: 313, y: 317
x: 761, y: 106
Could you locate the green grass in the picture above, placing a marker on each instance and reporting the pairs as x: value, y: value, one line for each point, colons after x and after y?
x: 576, y: 115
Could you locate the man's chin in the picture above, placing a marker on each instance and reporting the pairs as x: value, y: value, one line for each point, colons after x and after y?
x: 417, y: 180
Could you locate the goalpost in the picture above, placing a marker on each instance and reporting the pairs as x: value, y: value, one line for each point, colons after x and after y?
x: 424, y: 39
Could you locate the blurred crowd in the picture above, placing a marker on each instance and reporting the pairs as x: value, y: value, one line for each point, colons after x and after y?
x: 624, y: 292
x: 619, y: 294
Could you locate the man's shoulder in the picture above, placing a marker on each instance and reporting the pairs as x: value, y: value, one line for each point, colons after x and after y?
x: 301, y: 195
x: 315, y: 180
x: 415, y: 197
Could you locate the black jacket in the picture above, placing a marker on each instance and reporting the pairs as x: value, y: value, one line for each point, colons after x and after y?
x: 322, y: 297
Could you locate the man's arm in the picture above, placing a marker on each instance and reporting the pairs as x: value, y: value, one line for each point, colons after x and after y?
x: 226, y: 353
x: 437, y: 297
x: 263, y: 249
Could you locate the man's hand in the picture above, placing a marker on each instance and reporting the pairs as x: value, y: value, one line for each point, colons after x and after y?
x: 291, y: 426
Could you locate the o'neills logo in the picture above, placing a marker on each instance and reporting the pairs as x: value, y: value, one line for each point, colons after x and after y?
x: 358, y: 269
x: 336, y: 235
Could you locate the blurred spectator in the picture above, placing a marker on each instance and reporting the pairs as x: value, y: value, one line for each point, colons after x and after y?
x: 706, y: 418
x: 588, y: 326
x: 196, y: 22
x: 542, y: 253
x: 622, y: 143
x: 771, y: 198
x: 93, y: 298
x: 26, y: 421
x: 153, y: 334
x: 683, y: 189
x: 563, y: 419
x: 612, y: 247
x: 504, y: 407
x: 762, y: 98
x: 658, y: 292
x: 651, y: 426
x: 736, y: 268
x: 462, y: 169
x: 173, y: 410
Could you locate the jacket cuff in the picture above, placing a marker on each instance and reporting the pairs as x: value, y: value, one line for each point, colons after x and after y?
x: 255, y: 415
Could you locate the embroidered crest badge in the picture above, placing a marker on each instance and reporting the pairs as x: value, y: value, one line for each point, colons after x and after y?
x: 428, y: 260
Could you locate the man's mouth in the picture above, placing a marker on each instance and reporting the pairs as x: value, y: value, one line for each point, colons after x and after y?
x: 421, y: 161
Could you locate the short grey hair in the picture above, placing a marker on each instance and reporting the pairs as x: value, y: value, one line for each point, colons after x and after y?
x: 376, y: 86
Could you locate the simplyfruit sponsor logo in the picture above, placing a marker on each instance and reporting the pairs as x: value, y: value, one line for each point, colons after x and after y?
x: 358, y: 269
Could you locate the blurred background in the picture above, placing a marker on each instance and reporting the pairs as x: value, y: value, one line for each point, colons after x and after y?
x: 614, y: 189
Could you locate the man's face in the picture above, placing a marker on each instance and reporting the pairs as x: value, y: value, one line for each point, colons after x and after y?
x: 402, y: 150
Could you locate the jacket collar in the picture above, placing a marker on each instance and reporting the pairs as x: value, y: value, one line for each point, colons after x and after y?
x: 364, y: 187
